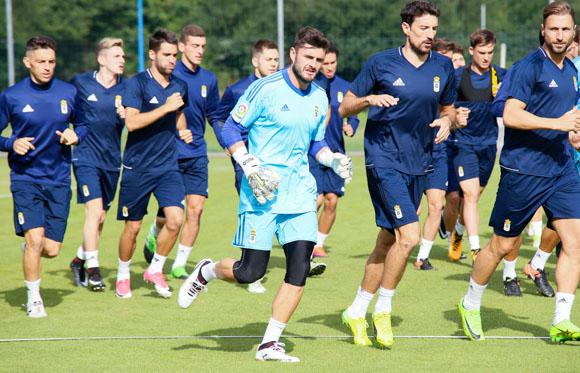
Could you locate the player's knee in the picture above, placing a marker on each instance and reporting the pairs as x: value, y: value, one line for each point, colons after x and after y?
x: 173, y: 222
x: 297, y: 262
x: 132, y: 228
x: 435, y: 207
x: 35, y: 244
x: 194, y: 212
x: 50, y: 252
x: 331, y: 204
x: 502, y: 246
x: 297, y: 273
x: 408, y: 241
x: 245, y: 274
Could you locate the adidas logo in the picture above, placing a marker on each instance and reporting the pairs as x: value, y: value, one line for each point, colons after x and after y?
x: 553, y: 84
x: 399, y: 83
x: 28, y: 109
x: 562, y: 300
x: 92, y: 97
x: 154, y: 100
x: 285, y: 108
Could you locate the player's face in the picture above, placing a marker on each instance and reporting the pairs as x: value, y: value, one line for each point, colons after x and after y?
x: 558, y: 31
x: 113, y: 59
x: 266, y: 62
x: 306, y: 62
x: 572, y: 51
x: 164, y: 59
x: 193, y: 49
x: 41, y: 64
x: 458, y: 60
x: 482, y: 55
x: 421, y: 32
x: 329, y: 65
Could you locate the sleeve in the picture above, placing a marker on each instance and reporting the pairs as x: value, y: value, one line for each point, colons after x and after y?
x: 231, y: 132
x: 364, y: 82
x: 522, y: 83
x: 449, y: 94
x: 184, y: 95
x: 133, y: 95
x: 250, y: 106
x: 5, y: 117
x: 499, y: 102
x: 213, y: 103
x: 316, y: 146
x: 226, y: 104
x: 78, y: 115
x: 458, y: 74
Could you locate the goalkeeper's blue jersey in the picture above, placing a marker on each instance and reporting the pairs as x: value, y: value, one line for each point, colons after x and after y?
x: 282, y: 121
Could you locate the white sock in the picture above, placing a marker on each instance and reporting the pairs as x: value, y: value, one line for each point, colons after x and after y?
x: 92, y: 258
x: 320, y: 240
x: 564, y: 303
x: 384, y: 302
x: 273, y: 331
x: 509, y: 269
x: 474, y: 243
x: 448, y: 237
x: 181, y: 257
x: 208, y: 272
x: 154, y: 230
x: 459, y: 228
x: 124, y: 270
x: 540, y: 259
x: 157, y: 263
x: 472, y: 300
x: 33, y: 291
x: 360, y: 304
x: 425, y: 249
x: 81, y: 253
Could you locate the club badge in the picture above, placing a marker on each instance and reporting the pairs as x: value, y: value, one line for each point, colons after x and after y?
x: 436, y: 84
x: 63, y: 107
x: 203, y: 91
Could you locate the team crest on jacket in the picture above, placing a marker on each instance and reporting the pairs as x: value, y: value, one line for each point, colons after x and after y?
x: 118, y: 100
x: 63, y: 107
x: 339, y: 96
x: 203, y: 91
x: 436, y: 83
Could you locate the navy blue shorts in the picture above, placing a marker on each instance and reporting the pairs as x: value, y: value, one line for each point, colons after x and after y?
x: 474, y: 162
x: 195, y: 175
x: 437, y: 179
x: 452, y: 182
x: 37, y: 205
x: 327, y: 181
x: 395, y: 196
x: 519, y: 196
x: 94, y: 182
x: 137, y: 187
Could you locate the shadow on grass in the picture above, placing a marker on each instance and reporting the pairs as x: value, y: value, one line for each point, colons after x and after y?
x: 50, y: 297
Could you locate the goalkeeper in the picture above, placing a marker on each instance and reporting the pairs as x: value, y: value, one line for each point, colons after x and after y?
x: 285, y: 115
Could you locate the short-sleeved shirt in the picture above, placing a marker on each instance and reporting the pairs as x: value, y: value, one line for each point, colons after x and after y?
x: 334, y: 136
x: 96, y: 106
x: 548, y: 92
x: 38, y: 111
x: 152, y: 148
x: 400, y: 136
x: 282, y: 121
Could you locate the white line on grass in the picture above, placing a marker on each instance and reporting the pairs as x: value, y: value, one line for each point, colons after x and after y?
x: 157, y: 337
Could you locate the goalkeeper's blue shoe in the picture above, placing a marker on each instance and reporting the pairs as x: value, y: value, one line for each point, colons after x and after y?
x: 471, y: 322
x: 564, y: 331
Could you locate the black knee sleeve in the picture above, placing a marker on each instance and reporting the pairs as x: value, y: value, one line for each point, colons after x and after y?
x: 298, y: 255
x: 251, y: 266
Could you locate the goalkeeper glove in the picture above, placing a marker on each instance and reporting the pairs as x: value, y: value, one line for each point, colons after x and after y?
x: 340, y: 164
x: 263, y: 181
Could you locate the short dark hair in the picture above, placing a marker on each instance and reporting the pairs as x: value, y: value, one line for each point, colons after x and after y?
x: 559, y: 8
x: 481, y: 37
x: 191, y: 30
x: 442, y: 45
x: 417, y: 9
x: 161, y: 36
x: 456, y: 48
x: 40, y: 42
x: 332, y: 48
x: 310, y: 35
x: 262, y: 45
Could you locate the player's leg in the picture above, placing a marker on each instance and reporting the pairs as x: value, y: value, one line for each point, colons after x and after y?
x: 511, y: 282
x: 34, y: 243
x: 193, y: 209
x: 534, y: 270
x: 535, y: 228
x: 151, y: 239
x: 435, y: 204
x: 325, y: 222
x: 94, y: 219
x: 471, y: 193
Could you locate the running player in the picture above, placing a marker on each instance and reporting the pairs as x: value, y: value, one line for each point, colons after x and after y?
x: 97, y: 161
x: 203, y: 102
x: 285, y: 114
x: 39, y: 110
x: 540, y: 117
x: 153, y: 100
x: 410, y: 93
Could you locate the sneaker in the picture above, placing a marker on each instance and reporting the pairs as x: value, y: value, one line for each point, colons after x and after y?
x: 319, y: 252
x: 35, y: 309
x: 540, y: 278
x: 471, y: 322
x: 77, y: 267
x: 474, y: 254
x: 358, y: 328
x: 423, y: 264
x: 316, y: 269
x: 256, y: 287
x: 95, y: 282
x: 123, y: 289
x: 179, y: 273
x: 383, y: 329
x: 564, y: 331
x: 150, y: 246
x: 454, y: 252
x: 511, y: 287
x: 274, y: 351
x: 442, y: 229
x: 158, y: 280
x: 194, y: 284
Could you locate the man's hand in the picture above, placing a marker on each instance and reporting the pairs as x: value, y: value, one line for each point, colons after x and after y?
x: 263, y: 181
x: 340, y: 163
x: 444, y: 125
x: 347, y: 129
x: 570, y: 121
x: 174, y: 102
x: 68, y: 137
x: 574, y: 137
x: 462, y: 116
x: 121, y: 111
x: 382, y: 100
x: 186, y: 136
x: 22, y: 145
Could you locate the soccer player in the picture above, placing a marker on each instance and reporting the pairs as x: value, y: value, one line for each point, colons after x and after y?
x: 154, y: 100
x: 203, y: 101
x: 329, y: 185
x: 39, y: 110
x: 285, y: 114
x: 410, y: 94
x: 97, y: 161
x: 265, y: 60
x: 540, y: 117
x: 475, y: 144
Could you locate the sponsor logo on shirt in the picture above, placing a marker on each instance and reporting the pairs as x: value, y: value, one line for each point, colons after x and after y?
x: 253, y: 236
x: 63, y: 107
x: 203, y: 91
x: 285, y: 108
x: 398, y: 212
x: 460, y: 171
x: 507, y: 225
x: 339, y: 96
x: 553, y: 84
x: 399, y: 83
x: 240, y: 112
x: 118, y: 100
x: 86, y: 191
x: 436, y: 83
x: 20, y: 218
x: 92, y: 97
x: 154, y: 100
x: 28, y: 109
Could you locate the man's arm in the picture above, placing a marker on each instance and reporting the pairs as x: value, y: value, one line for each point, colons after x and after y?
x: 135, y: 119
x: 352, y: 105
x: 213, y: 116
x: 515, y: 116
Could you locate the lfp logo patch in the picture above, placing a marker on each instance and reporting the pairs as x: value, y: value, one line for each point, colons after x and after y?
x: 240, y: 112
